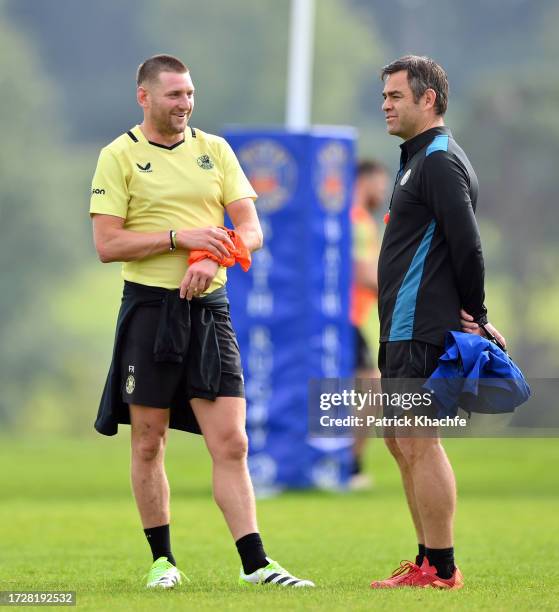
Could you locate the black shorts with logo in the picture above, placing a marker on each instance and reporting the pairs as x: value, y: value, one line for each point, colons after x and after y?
x: 148, y: 382
x: 404, y: 367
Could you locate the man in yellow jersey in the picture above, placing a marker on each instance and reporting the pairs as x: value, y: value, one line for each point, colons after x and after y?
x: 158, y: 196
x: 369, y: 192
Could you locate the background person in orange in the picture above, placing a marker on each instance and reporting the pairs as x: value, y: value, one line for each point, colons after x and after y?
x: 371, y: 183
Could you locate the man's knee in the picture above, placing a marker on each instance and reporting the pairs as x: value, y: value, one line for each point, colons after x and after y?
x: 414, y: 449
x: 148, y: 443
x: 229, y: 446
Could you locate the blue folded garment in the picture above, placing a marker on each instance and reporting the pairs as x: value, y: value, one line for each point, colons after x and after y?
x: 477, y: 376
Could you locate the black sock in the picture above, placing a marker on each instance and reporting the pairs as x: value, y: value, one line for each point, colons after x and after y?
x: 443, y: 560
x: 356, y: 466
x: 159, y: 540
x: 420, y: 554
x: 251, y: 552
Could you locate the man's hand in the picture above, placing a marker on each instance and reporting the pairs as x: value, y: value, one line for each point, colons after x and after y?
x: 198, y: 278
x: 469, y: 326
x: 212, y: 239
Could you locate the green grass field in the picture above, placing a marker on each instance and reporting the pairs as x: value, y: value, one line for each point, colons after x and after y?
x: 69, y: 522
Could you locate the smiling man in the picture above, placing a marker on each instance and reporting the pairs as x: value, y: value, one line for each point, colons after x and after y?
x: 431, y: 281
x: 158, y: 201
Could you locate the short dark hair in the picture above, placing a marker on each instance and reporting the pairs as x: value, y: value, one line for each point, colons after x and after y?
x: 150, y: 69
x: 366, y: 167
x: 423, y: 73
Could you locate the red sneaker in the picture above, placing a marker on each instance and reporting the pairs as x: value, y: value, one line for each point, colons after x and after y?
x: 424, y: 577
x: 431, y: 580
x: 406, y: 575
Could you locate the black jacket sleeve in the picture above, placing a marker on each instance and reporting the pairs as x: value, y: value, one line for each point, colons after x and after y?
x: 446, y: 189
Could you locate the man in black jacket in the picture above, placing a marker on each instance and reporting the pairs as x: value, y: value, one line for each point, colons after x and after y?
x: 431, y: 280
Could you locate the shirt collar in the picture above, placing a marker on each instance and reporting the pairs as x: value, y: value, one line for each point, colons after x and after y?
x: 413, y: 145
x: 188, y: 133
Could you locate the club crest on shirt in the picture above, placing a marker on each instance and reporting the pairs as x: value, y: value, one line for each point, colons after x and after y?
x: 130, y: 384
x: 405, y: 177
x: 205, y: 162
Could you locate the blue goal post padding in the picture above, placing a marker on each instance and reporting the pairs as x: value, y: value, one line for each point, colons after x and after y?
x: 290, y: 311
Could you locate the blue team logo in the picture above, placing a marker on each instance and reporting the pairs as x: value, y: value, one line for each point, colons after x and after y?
x: 272, y: 172
x: 330, y: 181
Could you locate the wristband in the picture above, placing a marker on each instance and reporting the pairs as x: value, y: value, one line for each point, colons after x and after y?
x: 172, y: 240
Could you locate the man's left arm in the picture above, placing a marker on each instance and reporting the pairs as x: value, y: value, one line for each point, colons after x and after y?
x: 446, y: 190
x: 245, y: 221
x: 238, y: 199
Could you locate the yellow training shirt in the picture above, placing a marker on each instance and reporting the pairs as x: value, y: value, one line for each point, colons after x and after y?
x: 159, y: 188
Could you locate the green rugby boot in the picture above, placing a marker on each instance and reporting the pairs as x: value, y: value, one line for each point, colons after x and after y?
x: 163, y: 575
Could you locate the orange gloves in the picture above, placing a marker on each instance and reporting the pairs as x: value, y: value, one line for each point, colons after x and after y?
x: 239, y: 254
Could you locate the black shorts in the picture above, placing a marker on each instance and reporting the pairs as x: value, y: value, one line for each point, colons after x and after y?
x: 363, y: 356
x: 408, y: 359
x: 147, y: 382
x: 404, y: 367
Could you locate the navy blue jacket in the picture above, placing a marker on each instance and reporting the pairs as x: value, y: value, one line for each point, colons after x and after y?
x: 476, y: 375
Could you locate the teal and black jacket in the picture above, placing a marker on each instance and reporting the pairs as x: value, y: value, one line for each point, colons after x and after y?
x: 431, y: 262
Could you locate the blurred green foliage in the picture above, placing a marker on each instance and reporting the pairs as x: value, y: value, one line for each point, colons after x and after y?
x: 67, y: 76
x: 41, y: 236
